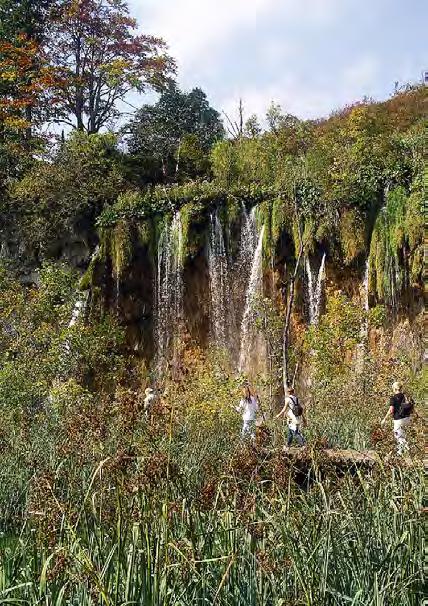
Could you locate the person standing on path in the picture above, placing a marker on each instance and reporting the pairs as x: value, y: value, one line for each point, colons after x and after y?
x: 248, y: 407
x: 149, y: 401
x: 295, y: 416
x: 400, y: 409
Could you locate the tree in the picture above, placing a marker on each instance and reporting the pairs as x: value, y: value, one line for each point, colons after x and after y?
x: 60, y: 199
x: 25, y: 103
x: 100, y: 61
x: 252, y: 127
x: 164, y: 131
x: 25, y: 77
x: 27, y: 17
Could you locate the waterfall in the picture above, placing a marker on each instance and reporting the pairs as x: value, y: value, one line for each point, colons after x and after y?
x: 254, y: 288
x: 169, y: 287
x: 315, y: 290
x: 78, y: 309
x: 366, y: 287
x: 248, y: 241
x: 219, y: 284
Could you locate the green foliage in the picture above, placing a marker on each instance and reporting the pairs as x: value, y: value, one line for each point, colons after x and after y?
x: 41, y: 348
x: 352, y: 233
x: 377, y: 316
x: 56, y: 199
x: 121, y: 247
x: 397, y: 242
x: 333, y: 168
x: 223, y: 162
x: 338, y: 331
x: 159, y: 200
x: 177, y: 132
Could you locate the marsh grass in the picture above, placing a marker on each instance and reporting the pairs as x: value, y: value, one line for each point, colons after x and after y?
x: 349, y: 539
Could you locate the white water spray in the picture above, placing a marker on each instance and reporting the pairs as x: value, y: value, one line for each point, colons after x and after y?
x: 247, y: 244
x: 219, y: 284
x: 78, y: 309
x: 169, y: 287
x: 254, y: 289
x: 315, y: 290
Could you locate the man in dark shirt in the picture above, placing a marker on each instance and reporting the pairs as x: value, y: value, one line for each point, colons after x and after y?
x: 401, y: 416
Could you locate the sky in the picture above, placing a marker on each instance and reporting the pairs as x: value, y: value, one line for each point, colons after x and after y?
x: 309, y: 56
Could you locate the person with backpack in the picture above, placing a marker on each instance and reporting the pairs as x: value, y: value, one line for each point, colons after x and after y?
x: 248, y: 406
x: 149, y: 401
x: 294, y: 413
x: 401, y: 408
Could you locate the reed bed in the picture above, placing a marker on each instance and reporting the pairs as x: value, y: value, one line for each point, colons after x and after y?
x: 351, y: 539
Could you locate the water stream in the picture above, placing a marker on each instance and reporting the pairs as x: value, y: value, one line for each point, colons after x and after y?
x: 218, y: 264
x: 254, y: 289
x: 315, y: 290
x: 169, y: 287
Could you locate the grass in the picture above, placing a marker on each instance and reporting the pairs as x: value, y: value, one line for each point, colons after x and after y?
x: 355, y: 540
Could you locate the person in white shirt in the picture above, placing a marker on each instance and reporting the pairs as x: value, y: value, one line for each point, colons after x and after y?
x: 248, y: 407
x: 294, y: 413
x: 149, y: 400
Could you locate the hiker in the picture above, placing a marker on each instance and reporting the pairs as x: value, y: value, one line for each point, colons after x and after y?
x: 400, y: 408
x: 149, y: 400
x: 248, y: 406
x: 295, y: 415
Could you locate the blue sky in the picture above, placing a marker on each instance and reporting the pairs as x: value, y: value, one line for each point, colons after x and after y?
x: 310, y: 56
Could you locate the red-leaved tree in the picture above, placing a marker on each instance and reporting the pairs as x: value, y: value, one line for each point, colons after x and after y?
x: 100, y: 59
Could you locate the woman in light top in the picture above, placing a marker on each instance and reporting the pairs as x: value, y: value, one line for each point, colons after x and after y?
x: 401, y: 409
x: 295, y: 415
x: 248, y: 407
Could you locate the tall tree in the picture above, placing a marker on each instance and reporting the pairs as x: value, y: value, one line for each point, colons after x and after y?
x: 100, y: 60
x: 29, y: 17
x: 180, y: 125
x: 25, y: 77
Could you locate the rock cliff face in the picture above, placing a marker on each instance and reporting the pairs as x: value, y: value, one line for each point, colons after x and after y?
x: 200, y: 273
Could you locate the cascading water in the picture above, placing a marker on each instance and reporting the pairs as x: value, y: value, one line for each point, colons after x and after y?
x: 254, y: 289
x: 315, y: 290
x: 169, y: 287
x: 78, y: 309
x: 365, y: 294
x: 219, y: 284
x: 248, y: 241
x: 364, y: 332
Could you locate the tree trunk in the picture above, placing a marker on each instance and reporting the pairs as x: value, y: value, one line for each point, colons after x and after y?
x: 290, y: 303
x: 177, y: 164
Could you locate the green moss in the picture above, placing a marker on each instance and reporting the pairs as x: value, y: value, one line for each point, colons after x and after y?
x: 86, y: 280
x: 264, y: 218
x: 352, y: 235
x: 309, y: 239
x: 194, y: 221
x: 121, y: 247
x: 278, y: 219
x: 417, y: 265
x: 233, y: 210
x: 397, y: 233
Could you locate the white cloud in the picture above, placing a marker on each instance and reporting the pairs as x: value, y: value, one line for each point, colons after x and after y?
x: 362, y: 74
x: 260, y: 50
x: 193, y: 28
x: 292, y: 94
x: 196, y: 30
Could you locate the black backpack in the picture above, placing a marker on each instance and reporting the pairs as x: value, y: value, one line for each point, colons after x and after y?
x: 295, y: 407
x: 407, y: 407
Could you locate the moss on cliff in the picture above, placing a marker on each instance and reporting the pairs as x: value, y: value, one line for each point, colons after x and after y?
x: 352, y: 235
x: 396, y: 244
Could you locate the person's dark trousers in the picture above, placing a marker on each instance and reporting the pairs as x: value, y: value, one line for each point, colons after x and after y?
x: 295, y: 434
